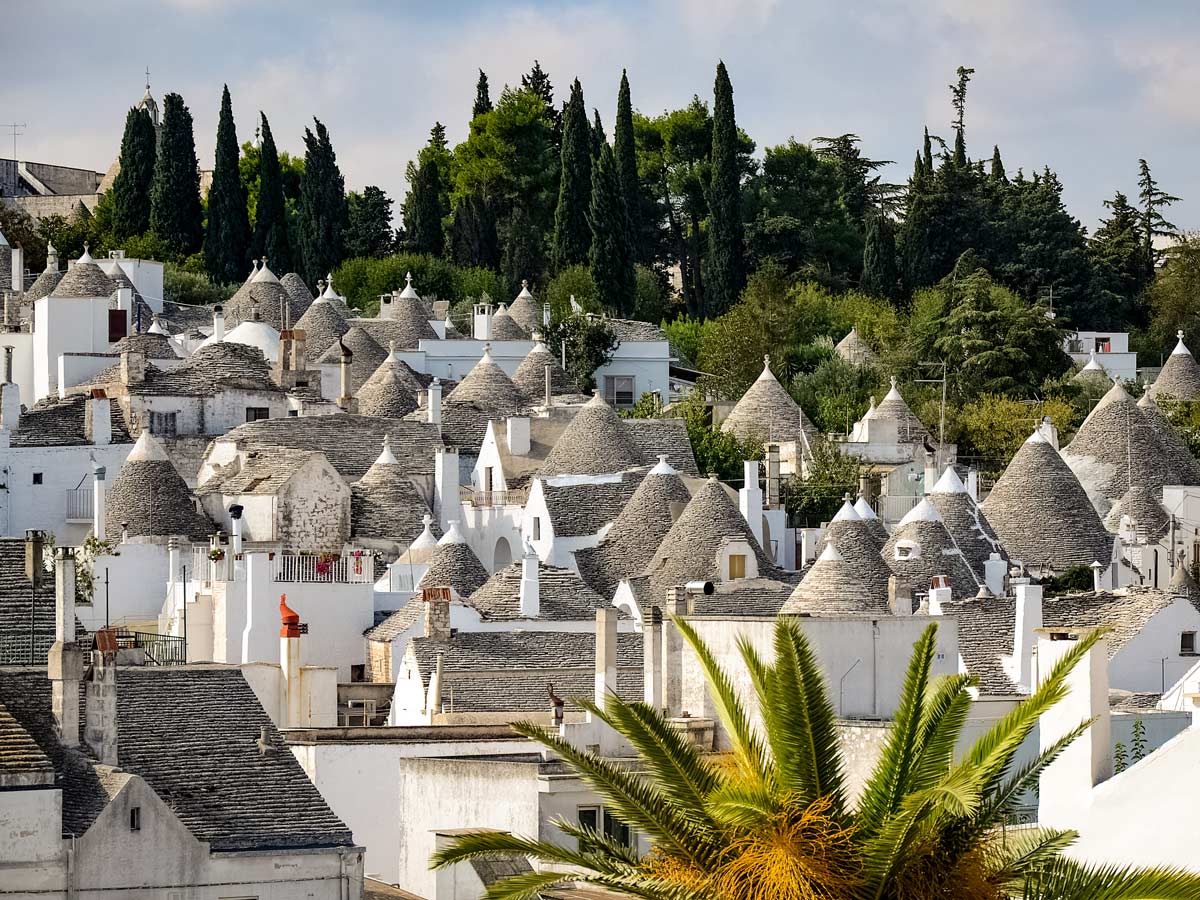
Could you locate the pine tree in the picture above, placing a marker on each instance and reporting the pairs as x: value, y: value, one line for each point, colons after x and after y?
x: 271, y: 236
x: 322, y: 206
x: 423, y: 216
x: 227, y: 240
x: 523, y: 258
x: 131, y: 188
x: 599, y: 138
x: 611, y: 256
x: 369, y: 223
x: 483, y: 102
x: 175, y: 213
x: 726, y: 262
x: 1154, y: 224
x: 880, y: 277
x: 997, y: 171
x: 958, y: 93
x: 473, y: 238
x: 572, y: 237
x: 1118, y: 254
x: 927, y: 154
x: 625, y: 156
x: 538, y: 82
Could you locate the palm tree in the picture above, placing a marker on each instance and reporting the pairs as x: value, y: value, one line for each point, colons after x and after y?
x: 772, y: 820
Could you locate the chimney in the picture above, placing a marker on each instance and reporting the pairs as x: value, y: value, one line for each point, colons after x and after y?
x: 433, y: 698
x: 1049, y: 431
x: 18, y: 269
x: 101, y: 731
x: 652, y: 629
x: 289, y: 659
x: 218, y: 323
x: 939, y: 595
x: 445, y: 485
x: 931, y: 472
x: 750, y: 499
x: 772, y: 499
x: 518, y: 435
x: 1065, y: 787
x: 433, y: 402
x: 672, y: 653
x: 34, y: 548
x: 1097, y: 568
x: 549, y: 385
x: 235, y: 518
x: 606, y: 654
x: 995, y: 575
x: 530, y: 597
x: 899, y: 596
x: 973, y: 485
x: 97, y: 418
x: 10, y: 396
x: 65, y: 660
x: 482, y: 322
x: 1027, y: 620
x: 346, y: 400
x: 133, y: 367
x: 99, y: 501
x: 437, y: 612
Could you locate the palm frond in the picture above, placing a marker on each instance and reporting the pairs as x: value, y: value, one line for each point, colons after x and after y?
x: 888, y: 784
x: 482, y: 844
x: 742, y: 804
x: 1028, y: 850
x: 1065, y: 879
x: 947, y: 706
x: 527, y: 885
x: 747, y: 747
x: 610, y: 849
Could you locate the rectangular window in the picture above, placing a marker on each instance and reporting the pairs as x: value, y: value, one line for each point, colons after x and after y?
x: 1187, y: 643
x: 135, y: 818
x: 618, y: 390
x: 163, y: 424
x: 618, y: 830
x: 37, y: 477
x: 587, y: 817
x: 118, y: 325
x: 254, y: 413
x: 1103, y: 345
x: 537, y: 528
x: 737, y: 566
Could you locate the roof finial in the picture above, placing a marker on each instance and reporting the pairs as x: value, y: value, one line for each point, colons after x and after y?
x: 1179, y: 334
x: 391, y: 348
x: 893, y: 379
x: 408, y: 278
x: 525, y: 283
x: 147, y: 78
x: 766, y: 360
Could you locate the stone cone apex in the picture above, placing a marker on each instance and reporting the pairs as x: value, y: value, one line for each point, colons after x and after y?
x: 1093, y: 364
x: 830, y: 554
x: 836, y: 584
x: 1180, y: 347
x: 264, y: 274
x: 409, y: 292
x: 949, y: 483
x: 767, y: 412
x: 329, y: 293
x: 847, y: 512
x: 386, y: 458
x: 453, y: 535
x: 489, y: 386
x: 425, y: 540
x: 864, y: 509
x: 922, y: 512
x: 595, y: 442
x: 662, y: 467
x: 147, y: 448
x: 1180, y: 375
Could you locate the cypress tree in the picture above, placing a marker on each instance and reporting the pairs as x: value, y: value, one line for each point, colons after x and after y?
x: 997, y: 171
x: 522, y: 258
x: 880, y: 276
x: 131, y: 188
x: 611, y: 257
x: 625, y: 157
x: 958, y: 94
x: 175, y: 213
x: 483, y: 102
x: 599, y: 138
x: 572, y: 237
x: 227, y: 241
x: 424, y: 216
x: 369, y: 223
x: 726, y: 263
x: 927, y: 153
x: 271, y: 238
x: 322, y: 206
x: 473, y: 237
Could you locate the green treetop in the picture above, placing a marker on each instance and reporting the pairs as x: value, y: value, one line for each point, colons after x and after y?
x: 175, y: 212
x: 322, y: 206
x: 572, y: 237
x: 611, y: 255
x: 132, y: 186
x: 483, y: 102
x: 726, y: 256
x: 227, y: 239
x: 625, y: 156
x: 271, y: 237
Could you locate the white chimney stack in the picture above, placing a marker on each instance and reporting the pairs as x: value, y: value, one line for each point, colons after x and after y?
x: 433, y: 402
x: 445, y: 485
x: 235, y: 519
x: 99, y: 501
x: 531, y: 604
x: 606, y: 654
x: 750, y: 499
x: 1027, y: 620
x: 289, y: 661
x: 218, y: 323
x: 995, y: 570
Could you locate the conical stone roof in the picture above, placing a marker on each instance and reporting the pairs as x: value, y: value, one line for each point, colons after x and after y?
x: 301, y: 296
x: 454, y: 565
x: 84, y: 279
x: 391, y: 391
x: 322, y: 323
x: 859, y: 546
x: 44, y: 285
x: 637, y: 531
x: 834, y: 586
x: 767, y: 412
x: 1144, y: 507
x: 868, y: 515
x: 152, y: 497
x: 853, y: 349
x: 524, y: 309
x: 688, y: 552
x: 530, y: 376
x: 930, y: 551
x: 1042, y: 514
x: 595, y: 443
x: 488, y: 386
x: 1177, y: 452
x: 410, y: 316
x: 1115, y: 446
x: 262, y: 290
x: 385, y: 504
x: 505, y: 328
x: 909, y: 428
x: 968, y: 526
x: 368, y: 356
x: 1180, y: 375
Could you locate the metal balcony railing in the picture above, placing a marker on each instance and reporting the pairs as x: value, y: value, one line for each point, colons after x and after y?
x: 79, y: 504
x: 323, y: 569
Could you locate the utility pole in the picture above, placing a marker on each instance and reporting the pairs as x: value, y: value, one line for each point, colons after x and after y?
x: 15, y: 127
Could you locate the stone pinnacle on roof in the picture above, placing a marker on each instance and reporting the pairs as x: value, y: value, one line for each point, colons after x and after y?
x: 1041, y: 512
x: 409, y: 292
x: 909, y: 428
x: 322, y: 323
x: 454, y: 565
x: 767, y: 412
x: 949, y: 483
x: 594, y: 443
x: 422, y: 548
x: 523, y: 310
x: 1180, y: 375
x: 835, y: 585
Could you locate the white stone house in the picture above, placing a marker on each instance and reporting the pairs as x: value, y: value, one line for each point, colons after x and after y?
x: 1109, y: 349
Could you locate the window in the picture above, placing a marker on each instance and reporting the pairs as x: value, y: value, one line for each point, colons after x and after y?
x: 599, y: 819
x: 1103, y: 345
x: 118, y: 325
x: 1187, y: 643
x: 903, y: 552
x: 618, y: 389
x: 537, y: 528
x: 254, y: 413
x: 37, y: 477
x: 737, y: 566
x: 163, y: 424
x: 135, y: 818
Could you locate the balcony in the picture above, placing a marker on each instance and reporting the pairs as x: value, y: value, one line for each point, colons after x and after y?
x: 79, y: 506
x: 323, y: 568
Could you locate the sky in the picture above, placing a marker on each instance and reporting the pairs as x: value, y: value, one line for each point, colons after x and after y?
x: 1086, y: 88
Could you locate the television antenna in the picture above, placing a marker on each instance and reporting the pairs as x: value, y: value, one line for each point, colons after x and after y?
x: 15, y: 128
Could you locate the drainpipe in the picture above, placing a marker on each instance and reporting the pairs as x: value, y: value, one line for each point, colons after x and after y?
x: 235, y: 515
x: 99, y: 512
